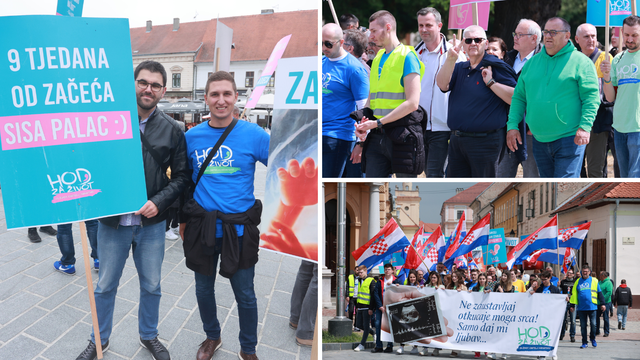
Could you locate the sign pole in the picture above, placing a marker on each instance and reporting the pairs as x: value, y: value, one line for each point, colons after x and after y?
x: 606, y: 32
x: 475, y: 14
x: 92, y: 299
x: 634, y: 10
x: 333, y: 12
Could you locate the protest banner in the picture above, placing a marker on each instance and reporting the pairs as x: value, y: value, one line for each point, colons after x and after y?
x: 520, y: 324
x: 70, y: 7
x: 461, y: 16
x: 70, y: 150
x: 462, y: 2
x: 496, y: 251
x: 290, y: 215
x: 619, y: 10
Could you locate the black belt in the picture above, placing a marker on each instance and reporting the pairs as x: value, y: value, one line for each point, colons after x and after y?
x: 473, y: 134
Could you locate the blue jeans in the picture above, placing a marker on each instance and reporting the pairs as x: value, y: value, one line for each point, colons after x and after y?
x: 584, y: 315
x: 242, y: 285
x: 475, y: 156
x: 335, y: 154
x: 304, y: 300
x: 622, y: 314
x: 378, y: 323
x: 436, y: 148
x: 572, y: 322
x: 508, y: 167
x: 147, y: 245
x: 65, y: 241
x: 628, y: 153
x: 606, y: 318
x: 558, y: 159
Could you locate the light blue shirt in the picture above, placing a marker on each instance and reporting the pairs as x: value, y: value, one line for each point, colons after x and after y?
x: 518, y: 64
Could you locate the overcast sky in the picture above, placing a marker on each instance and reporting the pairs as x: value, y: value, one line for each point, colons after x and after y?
x: 159, y: 11
x: 433, y: 195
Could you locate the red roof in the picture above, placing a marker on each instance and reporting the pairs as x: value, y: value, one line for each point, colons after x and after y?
x: 467, y: 196
x: 429, y: 227
x: 598, y: 194
x: 254, y: 36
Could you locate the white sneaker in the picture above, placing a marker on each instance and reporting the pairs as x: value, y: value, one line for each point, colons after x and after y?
x: 400, y: 350
x: 491, y: 356
x: 170, y: 235
x: 424, y: 351
x: 414, y: 350
x: 359, y: 348
x: 436, y: 352
x: 176, y: 230
x: 503, y: 357
x: 554, y: 357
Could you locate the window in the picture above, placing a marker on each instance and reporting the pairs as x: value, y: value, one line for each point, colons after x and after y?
x: 553, y: 196
x: 546, y: 200
x: 459, y: 214
x: 272, y: 80
x: 175, y: 80
x: 248, y: 79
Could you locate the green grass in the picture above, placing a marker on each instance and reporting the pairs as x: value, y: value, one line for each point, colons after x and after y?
x: 353, y: 338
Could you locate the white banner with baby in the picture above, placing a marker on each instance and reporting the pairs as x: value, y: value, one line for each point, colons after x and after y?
x: 509, y: 323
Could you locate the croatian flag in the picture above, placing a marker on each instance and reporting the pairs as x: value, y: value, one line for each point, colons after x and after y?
x: 544, y: 238
x: 547, y: 255
x: 460, y: 262
x: 477, y: 236
x: 574, y: 236
x: 413, y: 260
x: 429, y: 251
x: 382, y: 246
x: 454, y: 242
x: 569, y: 260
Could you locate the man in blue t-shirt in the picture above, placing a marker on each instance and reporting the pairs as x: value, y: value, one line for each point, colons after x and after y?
x: 582, y: 296
x: 224, y: 195
x: 481, y: 91
x: 345, y: 87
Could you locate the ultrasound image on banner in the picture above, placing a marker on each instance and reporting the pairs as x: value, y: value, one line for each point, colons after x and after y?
x: 416, y: 319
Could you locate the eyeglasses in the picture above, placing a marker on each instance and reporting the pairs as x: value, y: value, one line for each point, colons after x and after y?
x: 329, y: 44
x: 518, y: 36
x: 346, y: 44
x: 143, y: 84
x: 476, y: 40
x: 552, y: 33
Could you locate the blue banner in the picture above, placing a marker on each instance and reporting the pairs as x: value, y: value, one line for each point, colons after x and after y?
x: 69, y: 148
x: 596, y: 12
x: 496, y: 251
x: 70, y: 8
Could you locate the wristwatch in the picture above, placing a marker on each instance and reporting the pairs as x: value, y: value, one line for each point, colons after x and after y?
x: 379, y: 123
x: 490, y: 83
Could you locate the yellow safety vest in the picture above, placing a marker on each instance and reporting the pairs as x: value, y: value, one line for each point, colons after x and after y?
x: 364, y: 292
x: 594, y: 292
x: 351, y: 284
x: 386, y: 91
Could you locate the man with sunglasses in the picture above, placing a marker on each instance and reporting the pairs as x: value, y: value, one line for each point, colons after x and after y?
x: 393, y: 122
x: 558, y: 89
x: 345, y: 86
x: 481, y: 90
x: 526, y: 42
x: 143, y: 232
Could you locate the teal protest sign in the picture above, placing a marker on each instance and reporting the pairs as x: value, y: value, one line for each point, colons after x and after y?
x: 70, y: 7
x: 495, y: 252
x: 69, y: 148
x: 619, y: 10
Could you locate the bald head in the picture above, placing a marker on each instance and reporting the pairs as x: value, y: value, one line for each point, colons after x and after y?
x: 586, y: 37
x: 332, y: 41
x: 474, y: 29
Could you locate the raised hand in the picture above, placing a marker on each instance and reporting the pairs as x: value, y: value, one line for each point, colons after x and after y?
x: 454, y: 51
x: 605, y: 68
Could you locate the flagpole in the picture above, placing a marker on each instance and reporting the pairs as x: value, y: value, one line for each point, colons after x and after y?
x: 558, y: 229
x: 421, y: 258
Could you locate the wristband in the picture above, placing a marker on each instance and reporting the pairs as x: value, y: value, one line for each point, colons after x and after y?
x: 379, y: 123
x: 490, y: 83
x: 606, y: 82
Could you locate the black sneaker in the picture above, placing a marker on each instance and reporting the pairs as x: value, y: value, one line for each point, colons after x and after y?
x: 573, y: 339
x: 619, y: 325
x: 157, y: 350
x: 33, y: 235
x: 91, y: 352
x: 48, y: 230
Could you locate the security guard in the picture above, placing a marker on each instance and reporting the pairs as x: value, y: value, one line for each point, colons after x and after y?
x: 585, y: 294
x: 352, y: 293
x: 364, y: 308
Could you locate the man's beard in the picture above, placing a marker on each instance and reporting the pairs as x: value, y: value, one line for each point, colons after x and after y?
x: 143, y: 106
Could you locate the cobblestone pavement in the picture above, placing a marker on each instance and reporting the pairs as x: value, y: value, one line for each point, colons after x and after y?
x: 45, y: 314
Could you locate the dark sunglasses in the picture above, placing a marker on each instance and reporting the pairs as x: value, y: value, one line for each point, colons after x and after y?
x: 470, y: 40
x: 329, y: 44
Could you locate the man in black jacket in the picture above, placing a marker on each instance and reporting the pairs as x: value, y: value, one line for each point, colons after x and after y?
x: 623, y: 300
x: 163, y: 145
x: 565, y: 287
x: 526, y: 43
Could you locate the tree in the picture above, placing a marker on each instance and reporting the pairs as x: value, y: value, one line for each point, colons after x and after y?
x: 508, y: 13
